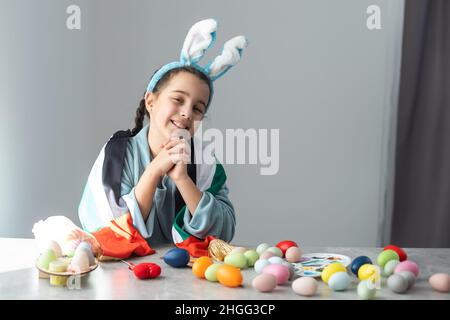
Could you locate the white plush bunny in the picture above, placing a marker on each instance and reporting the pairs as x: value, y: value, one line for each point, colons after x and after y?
x: 62, y: 230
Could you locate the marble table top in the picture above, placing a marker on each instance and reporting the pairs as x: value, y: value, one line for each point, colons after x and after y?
x: 112, y: 280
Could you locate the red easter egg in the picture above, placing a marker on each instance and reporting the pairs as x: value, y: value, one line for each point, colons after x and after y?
x: 286, y: 244
x: 401, y: 253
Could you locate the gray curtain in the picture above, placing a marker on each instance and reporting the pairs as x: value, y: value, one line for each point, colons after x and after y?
x: 421, y: 216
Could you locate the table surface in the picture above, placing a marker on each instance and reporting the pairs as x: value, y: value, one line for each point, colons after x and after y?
x: 112, y: 280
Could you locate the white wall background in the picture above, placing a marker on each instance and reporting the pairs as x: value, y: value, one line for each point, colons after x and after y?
x: 312, y: 70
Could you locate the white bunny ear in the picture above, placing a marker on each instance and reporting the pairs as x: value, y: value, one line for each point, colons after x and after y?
x: 200, y: 37
x: 231, y: 54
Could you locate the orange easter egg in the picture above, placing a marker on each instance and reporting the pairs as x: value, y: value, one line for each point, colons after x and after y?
x: 200, y: 265
x: 229, y: 276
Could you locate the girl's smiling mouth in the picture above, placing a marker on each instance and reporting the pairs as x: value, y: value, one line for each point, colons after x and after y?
x: 179, y: 125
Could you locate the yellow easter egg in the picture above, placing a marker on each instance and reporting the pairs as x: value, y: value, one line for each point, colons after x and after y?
x: 368, y: 272
x: 332, y: 268
x: 200, y: 265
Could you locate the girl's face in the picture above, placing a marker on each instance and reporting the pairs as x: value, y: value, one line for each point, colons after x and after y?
x: 181, y: 104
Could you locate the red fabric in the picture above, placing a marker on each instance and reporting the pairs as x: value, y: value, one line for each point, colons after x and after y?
x: 196, y: 247
x: 120, y: 239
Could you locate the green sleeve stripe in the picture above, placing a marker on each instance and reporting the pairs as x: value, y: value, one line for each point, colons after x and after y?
x: 218, y: 180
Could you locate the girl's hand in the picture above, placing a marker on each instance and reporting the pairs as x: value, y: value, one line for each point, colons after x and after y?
x: 180, y: 154
x: 163, y: 162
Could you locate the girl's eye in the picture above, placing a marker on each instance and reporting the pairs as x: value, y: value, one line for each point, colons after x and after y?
x: 198, y: 109
x: 177, y: 100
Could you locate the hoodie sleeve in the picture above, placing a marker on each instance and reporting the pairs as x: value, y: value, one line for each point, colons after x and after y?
x: 214, y: 216
x: 145, y: 228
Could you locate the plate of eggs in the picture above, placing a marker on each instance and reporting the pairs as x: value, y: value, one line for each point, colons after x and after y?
x: 58, y: 267
x: 312, y: 264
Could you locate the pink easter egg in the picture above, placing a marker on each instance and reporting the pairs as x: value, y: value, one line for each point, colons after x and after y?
x: 293, y: 254
x: 266, y: 255
x: 440, y: 282
x: 281, y: 272
x: 407, y: 265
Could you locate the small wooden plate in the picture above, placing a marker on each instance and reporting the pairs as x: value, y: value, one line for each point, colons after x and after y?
x: 67, y: 274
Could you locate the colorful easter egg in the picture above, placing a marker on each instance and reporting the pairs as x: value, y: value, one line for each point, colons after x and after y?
x: 408, y: 265
x: 200, y: 265
x: 177, y: 257
x: 238, y: 250
x: 229, y: 276
x: 397, y: 283
x: 366, y: 290
x: 293, y: 254
x: 401, y: 253
x: 264, y: 282
x: 260, y: 265
x: 211, y: 272
x: 339, y: 281
x: 53, y: 245
x: 88, y: 252
x: 440, y: 282
x: 262, y: 248
x: 358, y: 262
x: 79, y: 262
x: 369, y: 272
x: 276, y: 260
x: 409, y: 276
x: 276, y: 251
x: 237, y: 260
x: 332, y: 268
x: 280, y: 272
x: 266, y: 255
x: 385, y: 256
x: 305, y: 286
x: 389, y: 267
x: 252, y: 256
x: 286, y: 244
x: 46, y: 257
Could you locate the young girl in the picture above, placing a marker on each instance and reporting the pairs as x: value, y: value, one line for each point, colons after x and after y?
x: 153, y: 172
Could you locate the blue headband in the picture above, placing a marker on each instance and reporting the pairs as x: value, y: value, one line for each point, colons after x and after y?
x: 200, y: 38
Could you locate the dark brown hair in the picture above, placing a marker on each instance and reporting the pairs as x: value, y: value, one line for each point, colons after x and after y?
x: 141, y: 111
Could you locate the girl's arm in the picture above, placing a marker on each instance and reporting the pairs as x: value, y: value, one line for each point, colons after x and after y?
x: 145, y: 190
x: 190, y: 193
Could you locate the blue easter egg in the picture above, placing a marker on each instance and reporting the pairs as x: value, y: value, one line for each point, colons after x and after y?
x: 339, y: 281
x: 358, y: 262
x: 177, y: 258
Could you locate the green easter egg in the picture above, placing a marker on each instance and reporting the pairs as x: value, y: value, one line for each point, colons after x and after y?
x: 386, y: 256
x: 366, y: 290
x: 211, y: 272
x: 46, y: 257
x: 276, y: 251
x: 262, y: 247
x: 389, y: 267
x: 251, y: 256
x: 237, y: 260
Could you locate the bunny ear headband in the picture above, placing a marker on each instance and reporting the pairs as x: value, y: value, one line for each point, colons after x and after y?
x: 200, y: 38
